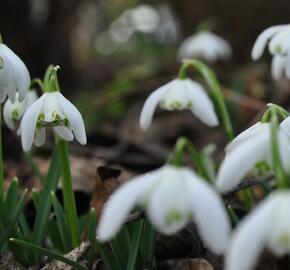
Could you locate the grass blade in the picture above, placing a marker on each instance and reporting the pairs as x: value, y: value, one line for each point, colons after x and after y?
x: 135, y: 246
x: 15, y: 215
x: 61, y: 223
x: 48, y: 253
x: 45, y: 203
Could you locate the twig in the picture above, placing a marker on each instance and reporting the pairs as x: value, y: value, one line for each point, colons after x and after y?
x: 249, y: 183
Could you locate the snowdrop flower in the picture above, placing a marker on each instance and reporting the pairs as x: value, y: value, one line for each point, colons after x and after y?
x: 172, y: 197
x: 267, y: 226
x: 278, y: 41
x: 51, y: 109
x: 178, y: 95
x: 14, y: 75
x: 12, y: 112
x: 205, y: 45
x: 249, y: 148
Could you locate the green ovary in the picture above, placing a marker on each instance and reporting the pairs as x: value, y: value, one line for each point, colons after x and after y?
x: 173, y: 216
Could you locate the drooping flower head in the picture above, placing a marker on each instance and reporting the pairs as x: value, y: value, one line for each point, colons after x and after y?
x: 205, y: 45
x: 266, y: 227
x: 249, y: 148
x: 51, y: 109
x: 12, y: 112
x: 172, y: 196
x: 179, y: 95
x: 14, y: 75
x: 278, y: 41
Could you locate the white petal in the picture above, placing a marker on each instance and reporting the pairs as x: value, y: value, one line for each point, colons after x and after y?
x: 287, y: 66
x: 209, y: 213
x: 22, y: 77
x: 280, y: 43
x: 7, y: 80
x: 64, y: 133
x: 284, y: 149
x: 250, y: 237
x: 240, y: 160
x: 28, y: 123
x: 176, y: 97
x: 262, y: 40
x: 121, y: 203
x: 285, y: 125
x: 3, y: 93
x: 7, y: 115
x: 202, y: 106
x: 167, y: 207
x: 39, y: 137
x: 250, y: 132
x: 150, y: 105
x: 278, y: 66
x: 75, y: 119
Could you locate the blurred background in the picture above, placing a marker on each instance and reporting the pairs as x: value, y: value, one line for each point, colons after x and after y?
x: 114, y: 53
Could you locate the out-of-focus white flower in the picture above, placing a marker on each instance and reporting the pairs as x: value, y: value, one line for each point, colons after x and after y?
x: 51, y: 109
x: 249, y: 148
x: 278, y: 41
x: 205, y: 45
x: 178, y: 95
x: 172, y: 197
x: 14, y: 75
x: 12, y: 112
x: 267, y: 226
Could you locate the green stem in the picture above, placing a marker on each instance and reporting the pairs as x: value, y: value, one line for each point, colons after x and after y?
x: 1, y: 159
x: 276, y: 158
x: 68, y: 193
x: 212, y: 82
x: 1, y: 39
x: 176, y: 157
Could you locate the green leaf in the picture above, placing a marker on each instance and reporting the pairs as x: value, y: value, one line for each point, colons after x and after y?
x: 14, y: 218
x: 61, y: 223
x: 135, y: 246
x: 12, y: 195
x: 49, y: 253
x: 148, y: 245
x: 36, y: 198
x: 54, y: 235
x: 92, y: 225
x: 45, y: 203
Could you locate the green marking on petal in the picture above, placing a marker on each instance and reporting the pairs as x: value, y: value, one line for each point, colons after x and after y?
x: 175, y: 105
x: 15, y: 115
x: 173, y: 216
x: 1, y: 63
x: 278, y: 49
x: 284, y: 239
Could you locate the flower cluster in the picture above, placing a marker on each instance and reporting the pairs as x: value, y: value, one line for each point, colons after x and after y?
x: 174, y: 195
x: 51, y: 109
x: 277, y: 39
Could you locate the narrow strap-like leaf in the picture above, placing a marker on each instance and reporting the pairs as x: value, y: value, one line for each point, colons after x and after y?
x: 135, y: 246
x: 49, y: 253
x: 61, y: 223
x: 15, y: 215
x: 45, y: 203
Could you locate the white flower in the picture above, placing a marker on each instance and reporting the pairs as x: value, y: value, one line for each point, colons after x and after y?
x: 278, y: 40
x: 55, y: 110
x: 205, y: 45
x: 172, y: 197
x: 14, y: 75
x: 267, y: 226
x: 12, y: 112
x: 178, y: 95
x: 249, y: 148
